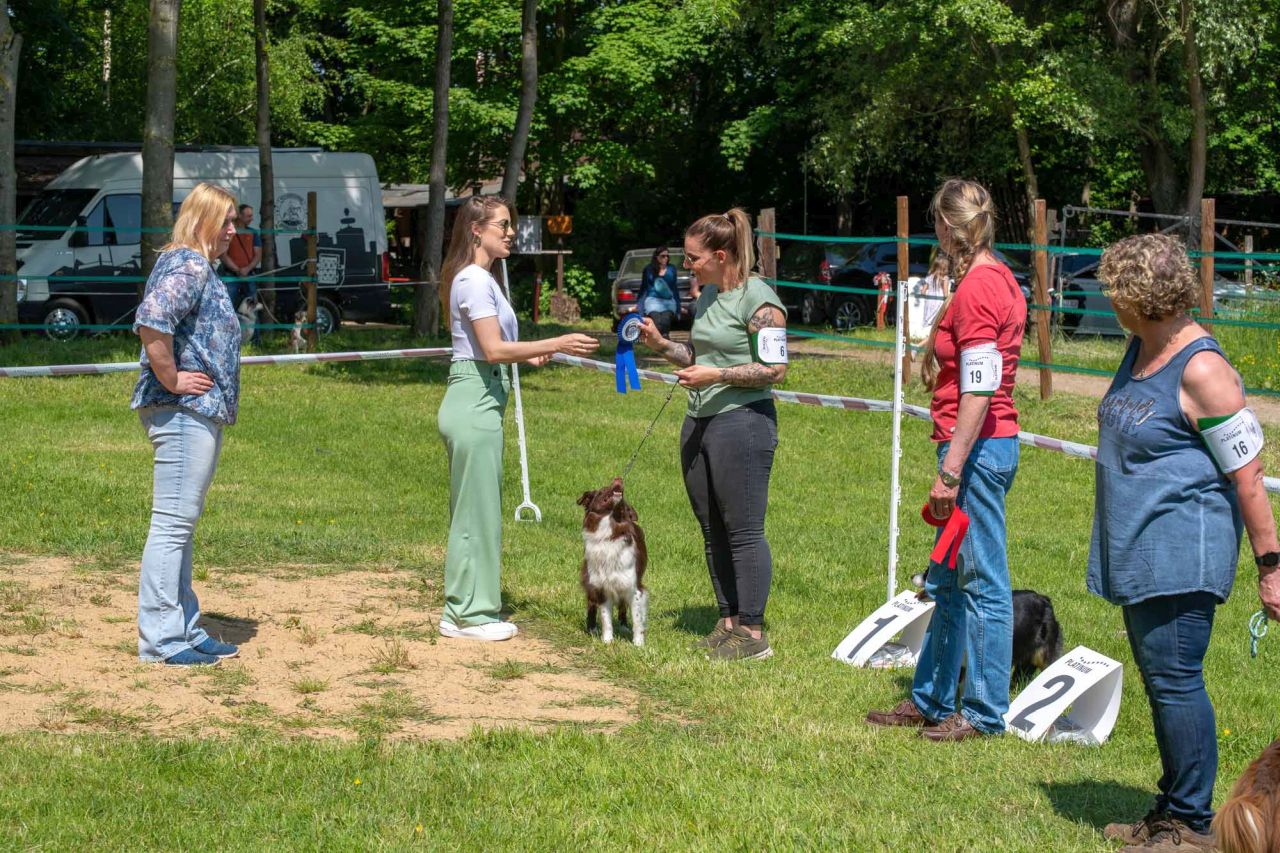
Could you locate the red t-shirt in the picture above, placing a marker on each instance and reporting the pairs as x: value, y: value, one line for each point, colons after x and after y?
x: 988, y: 307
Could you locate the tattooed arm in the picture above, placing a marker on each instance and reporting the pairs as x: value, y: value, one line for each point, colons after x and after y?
x: 756, y: 375
x: 681, y: 355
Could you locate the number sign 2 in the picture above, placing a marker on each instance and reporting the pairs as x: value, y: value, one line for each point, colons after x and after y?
x: 903, y: 614
x: 1087, y: 682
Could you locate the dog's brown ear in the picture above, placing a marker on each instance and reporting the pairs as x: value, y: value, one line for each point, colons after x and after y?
x: 585, y: 500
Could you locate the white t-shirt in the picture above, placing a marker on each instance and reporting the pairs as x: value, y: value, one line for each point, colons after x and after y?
x: 475, y: 295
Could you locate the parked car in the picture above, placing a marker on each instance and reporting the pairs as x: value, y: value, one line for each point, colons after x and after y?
x: 1084, y: 291
x: 69, y: 278
x: 809, y: 263
x: 626, y: 282
x: 849, y: 310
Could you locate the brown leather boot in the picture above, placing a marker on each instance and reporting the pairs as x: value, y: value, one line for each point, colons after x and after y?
x: 955, y: 727
x: 1171, y: 835
x: 1132, y: 833
x: 905, y: 713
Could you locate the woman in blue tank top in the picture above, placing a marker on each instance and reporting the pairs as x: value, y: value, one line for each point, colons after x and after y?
x: 1167, y: 519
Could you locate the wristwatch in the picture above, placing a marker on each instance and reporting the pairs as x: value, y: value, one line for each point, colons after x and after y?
x: 1269, y: 560
x: 952, y: 480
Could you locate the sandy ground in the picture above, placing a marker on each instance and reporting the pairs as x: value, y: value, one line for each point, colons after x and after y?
x: 338, y: 655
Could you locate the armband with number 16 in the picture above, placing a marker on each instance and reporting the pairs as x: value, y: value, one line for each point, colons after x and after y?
x: 1234, y: 441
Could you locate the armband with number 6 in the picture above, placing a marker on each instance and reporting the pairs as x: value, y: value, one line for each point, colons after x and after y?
x: 1234, y: 441
x: 769, y: 345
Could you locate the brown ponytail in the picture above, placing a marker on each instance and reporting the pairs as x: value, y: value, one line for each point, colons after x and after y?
x: 729, y: 233
x: 968, y: 216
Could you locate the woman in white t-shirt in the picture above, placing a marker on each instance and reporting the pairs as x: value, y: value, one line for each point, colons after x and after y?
x: 485, y: 333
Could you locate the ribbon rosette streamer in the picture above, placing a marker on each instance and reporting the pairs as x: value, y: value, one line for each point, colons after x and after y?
x: 625, y: 358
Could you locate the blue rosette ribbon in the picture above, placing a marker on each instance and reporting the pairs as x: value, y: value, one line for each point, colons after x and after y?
x: 624, y: 360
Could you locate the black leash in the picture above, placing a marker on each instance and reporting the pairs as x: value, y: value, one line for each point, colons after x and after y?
x: 649, y: 431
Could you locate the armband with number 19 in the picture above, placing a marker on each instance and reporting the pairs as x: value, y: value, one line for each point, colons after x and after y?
x: 1234, y: 441
x: 981, y: 370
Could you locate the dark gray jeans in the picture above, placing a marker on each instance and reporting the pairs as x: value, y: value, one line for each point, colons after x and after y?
x: 726, y: 460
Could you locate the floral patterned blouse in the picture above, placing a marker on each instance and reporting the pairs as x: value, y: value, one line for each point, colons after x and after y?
x: 186, y: 299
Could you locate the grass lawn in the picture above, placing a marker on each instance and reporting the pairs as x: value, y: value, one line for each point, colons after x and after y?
x: 341, y: 465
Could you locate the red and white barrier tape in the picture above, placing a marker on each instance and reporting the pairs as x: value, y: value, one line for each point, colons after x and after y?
x: 298, y: 358
x: 856, y: 404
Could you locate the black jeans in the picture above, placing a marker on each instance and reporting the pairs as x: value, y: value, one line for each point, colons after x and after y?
x: 726, y: 459
x: 663, y: 320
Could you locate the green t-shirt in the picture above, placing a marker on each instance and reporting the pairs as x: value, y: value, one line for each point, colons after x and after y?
x: 720, y: 339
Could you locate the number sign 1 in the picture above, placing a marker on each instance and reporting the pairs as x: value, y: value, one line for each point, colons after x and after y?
x: 1082, y: 679
x: 903, y: 614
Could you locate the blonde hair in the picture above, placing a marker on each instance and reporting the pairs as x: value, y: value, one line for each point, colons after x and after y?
x: 477, y: 209
x: 1150, y: 274
x: 969, y: 217
x: 200, y: 220
x: 728, y: 232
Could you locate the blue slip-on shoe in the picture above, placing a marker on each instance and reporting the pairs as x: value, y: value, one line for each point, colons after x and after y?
x: 191, y: 657
x: 217, y: 649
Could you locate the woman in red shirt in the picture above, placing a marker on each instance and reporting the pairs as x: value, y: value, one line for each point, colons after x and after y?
x: 970, y: 363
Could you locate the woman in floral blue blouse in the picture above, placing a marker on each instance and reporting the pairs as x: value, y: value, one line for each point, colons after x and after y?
x: 187, y: 392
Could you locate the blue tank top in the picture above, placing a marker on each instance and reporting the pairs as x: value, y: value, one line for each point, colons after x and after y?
x: 1165, y: 521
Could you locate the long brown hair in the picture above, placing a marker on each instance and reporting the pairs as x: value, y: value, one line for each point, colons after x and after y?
x: 200, y: 219
x: 967, y: 213
x: 728, y: 232
x: 461, y: 252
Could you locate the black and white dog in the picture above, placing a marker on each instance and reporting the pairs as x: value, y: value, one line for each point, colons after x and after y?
x: 613, y: 562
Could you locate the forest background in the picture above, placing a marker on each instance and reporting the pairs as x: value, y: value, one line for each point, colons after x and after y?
x: 652, y: 112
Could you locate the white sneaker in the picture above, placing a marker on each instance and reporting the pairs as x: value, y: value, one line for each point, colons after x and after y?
x: 490, y: 631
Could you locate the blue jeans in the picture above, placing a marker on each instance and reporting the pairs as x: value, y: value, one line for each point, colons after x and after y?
x: 1169, y: 636
x: 973, y: 615
x: 187, y: 447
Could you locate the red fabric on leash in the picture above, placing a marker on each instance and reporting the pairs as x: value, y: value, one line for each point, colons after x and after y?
x: 954, y: 528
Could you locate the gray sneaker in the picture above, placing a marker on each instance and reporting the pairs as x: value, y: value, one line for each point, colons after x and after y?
x: 742, y: 646
x: 717, y: 636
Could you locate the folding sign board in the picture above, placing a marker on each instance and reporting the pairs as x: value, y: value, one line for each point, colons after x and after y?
x: 1084, y: 680
x: 903, y: 614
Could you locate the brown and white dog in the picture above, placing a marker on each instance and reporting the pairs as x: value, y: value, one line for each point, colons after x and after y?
x: 613, y: 562
x: 1249, y: 821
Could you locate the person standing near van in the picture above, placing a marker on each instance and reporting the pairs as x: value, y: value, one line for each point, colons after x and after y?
x: 736, y: 352
x: 242, y: 259
x: 659, y: 296
x: 485, y: 340
x: 188, y: 391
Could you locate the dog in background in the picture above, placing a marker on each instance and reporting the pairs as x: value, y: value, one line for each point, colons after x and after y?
x: 613, y: 562
x: 1037, y: 636
x: 1249, y: 821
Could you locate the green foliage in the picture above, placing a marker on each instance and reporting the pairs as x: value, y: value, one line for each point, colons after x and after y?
x: 592, y: 294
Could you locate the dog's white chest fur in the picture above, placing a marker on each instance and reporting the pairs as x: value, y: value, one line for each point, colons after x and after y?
x: 611, y: 562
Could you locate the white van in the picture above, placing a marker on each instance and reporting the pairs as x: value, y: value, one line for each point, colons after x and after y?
x: 65, y: 276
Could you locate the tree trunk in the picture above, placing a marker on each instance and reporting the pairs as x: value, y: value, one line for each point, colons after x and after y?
x: 1199, y: 119
x: 266, y: 174
x: 157, y: 134
x: 106, y: 57
x: 426, y: 308
x: 1029, y: 173
x: 10, y: 49
x: 528, y: 97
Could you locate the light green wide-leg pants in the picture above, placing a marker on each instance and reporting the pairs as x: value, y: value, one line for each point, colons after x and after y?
x: 470, y: 422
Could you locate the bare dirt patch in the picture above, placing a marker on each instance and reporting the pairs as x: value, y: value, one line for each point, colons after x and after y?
x: 342, y: 655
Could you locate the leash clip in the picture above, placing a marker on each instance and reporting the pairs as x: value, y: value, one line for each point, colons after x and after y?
x: 1257, y: 630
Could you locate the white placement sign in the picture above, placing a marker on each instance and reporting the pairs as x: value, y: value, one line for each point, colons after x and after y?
x: 903, y: 614
x: 1084, y: 680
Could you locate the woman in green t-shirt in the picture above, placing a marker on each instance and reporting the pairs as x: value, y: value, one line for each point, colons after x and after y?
x: 736, y: 352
